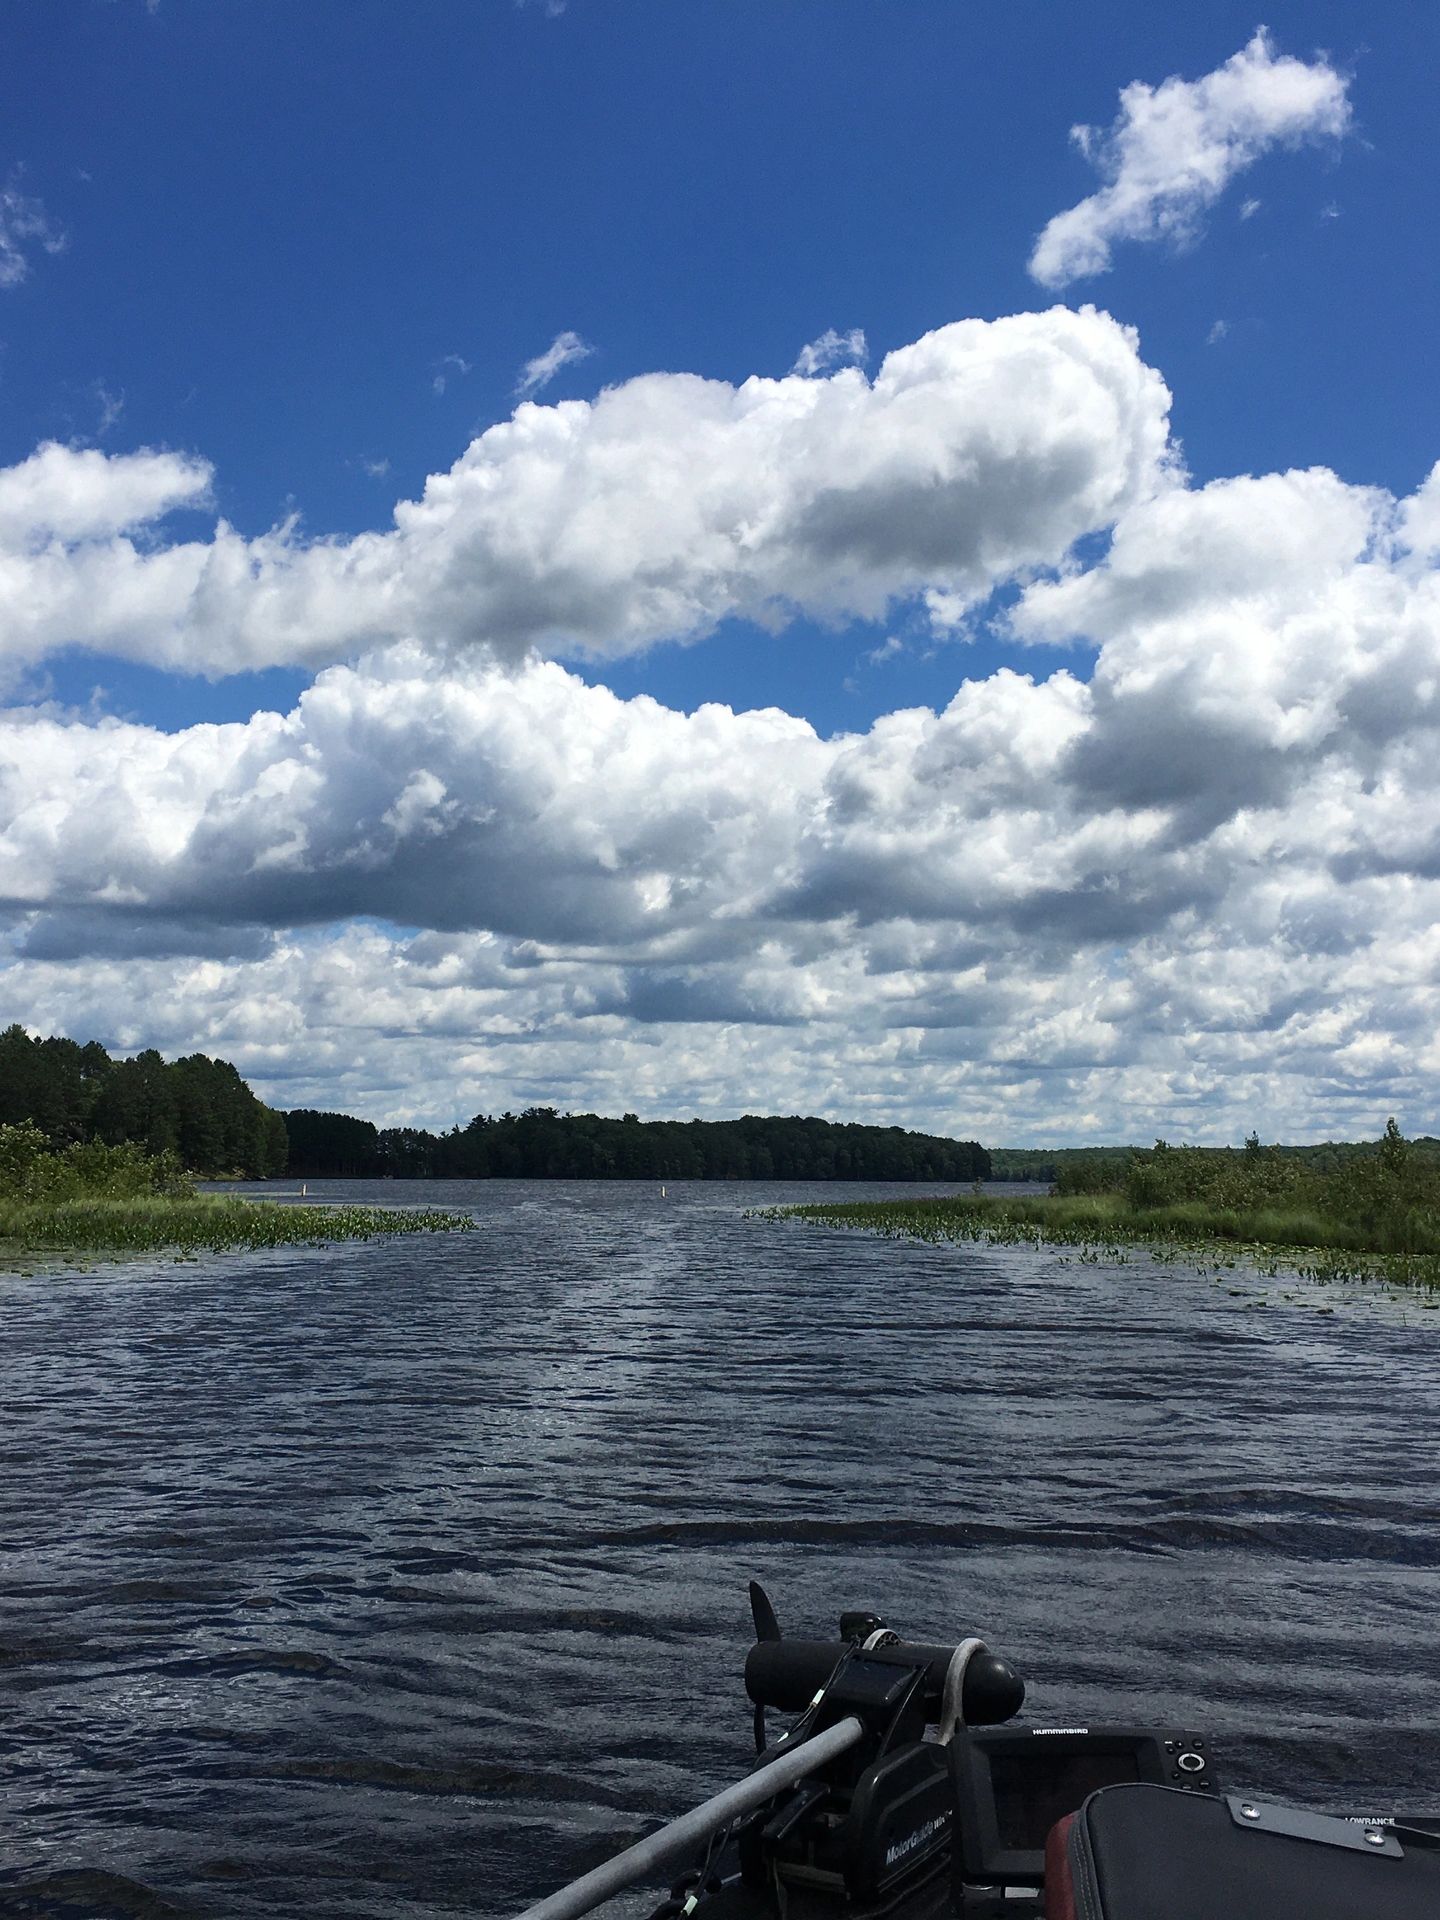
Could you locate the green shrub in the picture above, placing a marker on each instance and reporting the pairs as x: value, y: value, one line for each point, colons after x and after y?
x: 1367, y: 1215
x: 1386, y: 1195
x: 32, y: 1173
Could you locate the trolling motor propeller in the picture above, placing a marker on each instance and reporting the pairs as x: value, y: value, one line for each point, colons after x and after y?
x: 767, y: 1627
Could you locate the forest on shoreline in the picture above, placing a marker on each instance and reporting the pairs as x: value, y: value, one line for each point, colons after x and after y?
x: 200, y: 1112
x: 1092, y: 1169
x: 102, y: 1154
x: 197, y: 1110
x: 544, y: 1144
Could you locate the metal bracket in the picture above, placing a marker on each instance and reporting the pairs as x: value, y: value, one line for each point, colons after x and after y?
x: 1296, y: 1824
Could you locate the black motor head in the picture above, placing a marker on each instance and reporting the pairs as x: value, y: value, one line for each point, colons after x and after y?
x: 787, y: 1674
x: 993, y: 1690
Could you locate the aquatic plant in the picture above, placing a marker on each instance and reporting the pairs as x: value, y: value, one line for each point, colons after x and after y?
x: 91, y: 1198
x: 1399, y: 1241
x: 209, y: 1222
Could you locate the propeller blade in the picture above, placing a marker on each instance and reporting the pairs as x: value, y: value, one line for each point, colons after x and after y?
x: 767, y: 1627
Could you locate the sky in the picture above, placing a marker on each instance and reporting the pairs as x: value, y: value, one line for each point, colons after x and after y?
x: 874, y: 558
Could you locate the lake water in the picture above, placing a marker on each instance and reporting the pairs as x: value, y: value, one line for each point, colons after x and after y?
x: 409, y: 1579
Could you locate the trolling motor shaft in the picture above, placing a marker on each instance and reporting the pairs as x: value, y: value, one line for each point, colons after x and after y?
x: 877, y: 1825
x: 870, y: 1776
x: 694, y: 1828
x: 866, y: 1700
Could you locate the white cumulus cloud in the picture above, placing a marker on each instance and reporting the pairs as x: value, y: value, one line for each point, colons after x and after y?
x: 1173, y: 149
x: 651, y: 513
x: 1199, y: 892
x: 63, y: 497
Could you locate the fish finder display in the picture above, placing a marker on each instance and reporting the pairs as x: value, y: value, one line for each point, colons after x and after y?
x: 1012, y: 1784
x: 1035, y: 1789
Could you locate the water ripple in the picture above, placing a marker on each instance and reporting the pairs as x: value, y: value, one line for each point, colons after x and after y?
x: 411, y: 1578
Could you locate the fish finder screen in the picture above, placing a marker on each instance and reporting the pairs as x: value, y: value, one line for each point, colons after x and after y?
x: 1035, y: 1789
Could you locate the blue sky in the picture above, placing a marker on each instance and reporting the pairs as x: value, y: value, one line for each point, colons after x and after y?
x: 313, y: 249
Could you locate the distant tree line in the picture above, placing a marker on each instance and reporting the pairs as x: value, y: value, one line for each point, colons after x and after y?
x: 200, y: 1112
x: 1107, y: 1169
x: 1046, y: 1163
x: 542, y: 1143
x: 197, y: 1109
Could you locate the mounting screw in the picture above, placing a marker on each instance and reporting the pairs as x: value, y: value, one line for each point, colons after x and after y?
x: 1374, y: 1837
x: 1247, y: 1812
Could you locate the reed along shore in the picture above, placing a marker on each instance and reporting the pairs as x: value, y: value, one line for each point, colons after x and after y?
x: 91, y: 1198
x: 1377, y: 1217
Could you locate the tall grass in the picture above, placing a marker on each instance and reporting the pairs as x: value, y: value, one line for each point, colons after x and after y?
x: 211, y: 1223
x: 97, y: 1199
x: 1399, y: 1243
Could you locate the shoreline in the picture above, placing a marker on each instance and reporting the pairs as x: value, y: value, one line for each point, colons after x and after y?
x: 89, y: 1229
x: 1199, y: 1235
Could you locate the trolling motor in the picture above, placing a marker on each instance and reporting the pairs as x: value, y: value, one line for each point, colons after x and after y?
x: 852, y: 1800
x: 874, y: 1823
x: 898, y: 1792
